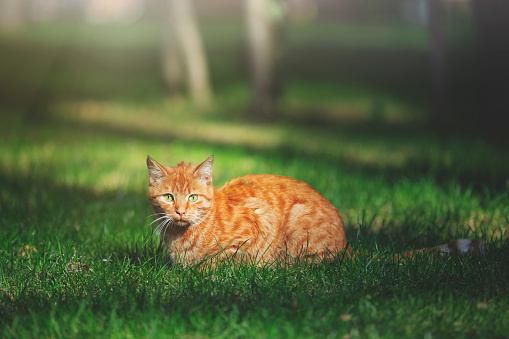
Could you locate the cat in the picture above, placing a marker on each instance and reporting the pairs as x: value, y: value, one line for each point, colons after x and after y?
x: 258, y: 218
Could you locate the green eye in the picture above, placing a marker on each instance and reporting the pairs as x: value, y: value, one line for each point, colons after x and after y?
x: 193, y: 197
x: 168, y: 197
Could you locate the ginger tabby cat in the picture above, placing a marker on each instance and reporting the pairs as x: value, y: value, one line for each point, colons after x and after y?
x: 258, y: 218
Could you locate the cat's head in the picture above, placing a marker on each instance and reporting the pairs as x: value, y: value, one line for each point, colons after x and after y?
x: 182, y: 195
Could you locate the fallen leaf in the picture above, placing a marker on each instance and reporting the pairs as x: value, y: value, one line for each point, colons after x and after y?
x: 345, y: 317
x: 27, y: 250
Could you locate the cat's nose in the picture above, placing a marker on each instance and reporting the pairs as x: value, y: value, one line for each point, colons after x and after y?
x: 180, y: 213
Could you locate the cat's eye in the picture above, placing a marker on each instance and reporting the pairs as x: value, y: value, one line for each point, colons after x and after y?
x: 193, y: 197
x: 168, y: 197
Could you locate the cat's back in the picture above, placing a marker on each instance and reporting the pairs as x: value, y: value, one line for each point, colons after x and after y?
x: 289, y: 215
x: 265, y: 183
x: 275, y: 189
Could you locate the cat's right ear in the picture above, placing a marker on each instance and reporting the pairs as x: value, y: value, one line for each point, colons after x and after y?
x: 203, y: 171
x: 156, y: 171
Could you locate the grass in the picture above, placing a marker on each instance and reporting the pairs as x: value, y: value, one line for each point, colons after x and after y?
x: 67, y: 185
x: 73, y: 184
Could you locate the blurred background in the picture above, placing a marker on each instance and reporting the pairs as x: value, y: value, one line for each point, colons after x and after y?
x: 387, y: 107
x: 438, y: 63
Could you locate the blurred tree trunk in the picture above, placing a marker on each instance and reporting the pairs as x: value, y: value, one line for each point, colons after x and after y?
x: 261, y: 22
x: 184, y: 49
x: 492, y: 19
x: 440, y: 115
x: 172, y: 61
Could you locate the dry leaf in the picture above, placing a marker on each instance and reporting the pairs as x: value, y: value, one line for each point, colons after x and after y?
x: 27, y: 250
x: 345, y: 317
x: 483, y: 305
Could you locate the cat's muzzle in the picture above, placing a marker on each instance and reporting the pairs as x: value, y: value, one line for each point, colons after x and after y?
x: 182, y: 223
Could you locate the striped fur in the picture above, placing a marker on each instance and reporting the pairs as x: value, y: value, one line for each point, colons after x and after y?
x: 260, y: 218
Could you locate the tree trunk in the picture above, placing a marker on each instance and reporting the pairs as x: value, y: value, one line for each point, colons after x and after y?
x: 492, y: 18
x: 184, y: 25
x: 261, y: 42
x: 440, y: 116
x: 172, y: 61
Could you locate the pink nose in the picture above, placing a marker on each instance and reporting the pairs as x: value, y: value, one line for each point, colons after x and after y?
x: 180, y: 213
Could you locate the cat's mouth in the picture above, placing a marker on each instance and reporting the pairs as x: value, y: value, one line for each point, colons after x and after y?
x: 181, y: 223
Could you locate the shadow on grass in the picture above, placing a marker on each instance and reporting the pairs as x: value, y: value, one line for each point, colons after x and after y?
x: 36, y: 209
x: 455, y: 157
x: 141, y: 251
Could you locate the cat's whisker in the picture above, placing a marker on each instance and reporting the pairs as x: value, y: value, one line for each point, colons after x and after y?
x: 164, y: 227
x: 159, y: 225
x: 154, y: 215
x: 157, y: 229
x: 156, y: 220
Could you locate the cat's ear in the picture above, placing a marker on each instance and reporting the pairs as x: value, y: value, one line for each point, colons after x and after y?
x: 203, y: 172
x: 156, y: 171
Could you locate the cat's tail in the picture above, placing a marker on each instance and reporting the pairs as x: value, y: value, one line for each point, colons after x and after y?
x: 459, y: 247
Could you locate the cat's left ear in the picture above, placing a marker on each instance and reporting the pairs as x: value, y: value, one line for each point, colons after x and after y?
x: 204, y: 171
x: 156, y: 171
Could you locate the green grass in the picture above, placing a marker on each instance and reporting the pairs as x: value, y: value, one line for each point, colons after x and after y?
x: 80, y: 182
x: 73, y: 184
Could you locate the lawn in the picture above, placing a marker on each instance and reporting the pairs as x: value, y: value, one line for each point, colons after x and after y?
x: 80, y: 257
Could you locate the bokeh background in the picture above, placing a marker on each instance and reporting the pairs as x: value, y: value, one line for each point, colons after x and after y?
x: 439, y: 63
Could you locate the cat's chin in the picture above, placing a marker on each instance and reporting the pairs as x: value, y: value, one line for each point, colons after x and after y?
x: 182, y: 223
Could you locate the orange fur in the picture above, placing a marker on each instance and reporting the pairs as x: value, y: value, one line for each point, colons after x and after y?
x: 260, y: 218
